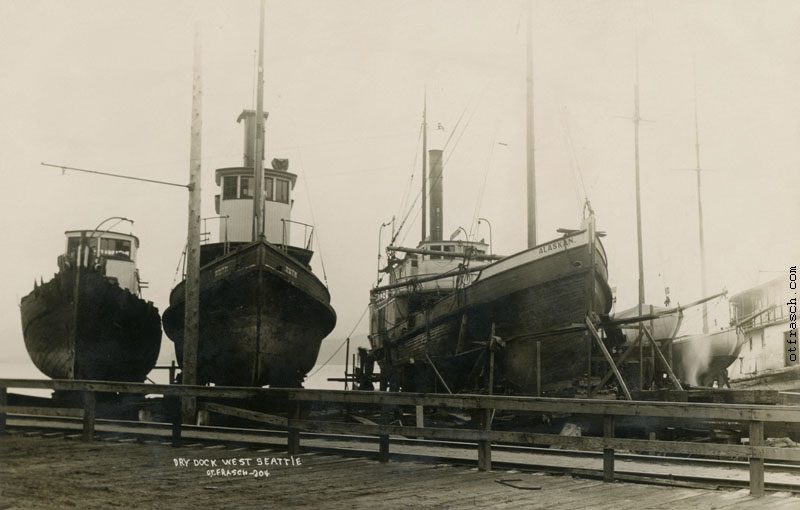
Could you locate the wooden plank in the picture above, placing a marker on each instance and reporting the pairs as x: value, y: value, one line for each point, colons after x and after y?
x: 43, y: 411
x: 245, y: 414
x: 667, y: 367
x: 756, y: 462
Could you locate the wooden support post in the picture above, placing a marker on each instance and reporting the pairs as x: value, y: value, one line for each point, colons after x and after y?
x: 383, y: 439
x: 538, y: 368
x: 610, y: 372
x: 756, y: 463
x: 175, y: 408
x: 608, y: 357
x: 671, y: 374
x: 608, y: 453
x: 3, y: 404
x: 89, y: 401
x: 485, y: 446
x: 294, y: 434
x: 420, y: 413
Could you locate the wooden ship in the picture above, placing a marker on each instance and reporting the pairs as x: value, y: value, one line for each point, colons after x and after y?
x: 89, y: 321
x: 263, y: 312
x: 429, y: 326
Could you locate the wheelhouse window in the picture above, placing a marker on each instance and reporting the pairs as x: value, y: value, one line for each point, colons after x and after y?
x: 246, y: 188
x: 229, y: 187
x: 282, y: 191
x: 268, y: 188
x: 118, y: 249
x: 436, y: 248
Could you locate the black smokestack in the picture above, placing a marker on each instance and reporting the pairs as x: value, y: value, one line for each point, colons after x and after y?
x: 436, y: 209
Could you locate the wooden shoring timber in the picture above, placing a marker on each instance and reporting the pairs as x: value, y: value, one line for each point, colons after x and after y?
x: 620, y: 361
x: 668, y: 368
x: 441, y: 379
x: 246, y: 414
x: 608, y: 357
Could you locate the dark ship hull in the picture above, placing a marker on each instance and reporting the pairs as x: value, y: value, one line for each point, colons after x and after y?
x: 263, y: 315
x: 109, y: 335
x: 541, y: 295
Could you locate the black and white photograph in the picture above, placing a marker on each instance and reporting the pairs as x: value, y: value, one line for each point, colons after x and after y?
x: 387, y: 254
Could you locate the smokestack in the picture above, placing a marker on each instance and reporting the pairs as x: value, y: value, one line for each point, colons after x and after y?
x: 249, y: 152
x: 436, y: 204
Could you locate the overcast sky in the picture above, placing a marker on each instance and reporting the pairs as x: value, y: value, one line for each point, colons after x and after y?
x: 106, y: 85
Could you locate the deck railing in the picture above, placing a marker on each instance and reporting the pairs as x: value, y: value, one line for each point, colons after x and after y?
x: 298, y: 401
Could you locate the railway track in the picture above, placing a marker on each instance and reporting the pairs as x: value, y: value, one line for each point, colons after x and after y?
x: 631, y: 467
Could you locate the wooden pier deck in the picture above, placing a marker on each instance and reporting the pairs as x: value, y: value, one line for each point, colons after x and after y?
x: 50, y: 471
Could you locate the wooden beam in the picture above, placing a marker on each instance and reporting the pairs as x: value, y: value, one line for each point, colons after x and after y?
x: 246, y: 414
x: 619, y: 362
x: 89, y: 406
x: 608, y: 357
x: 671, y: 374
x: 608, y: 453
x: 293, y: 440
x: 3, y: 412
x: 67, y: 412
x: 756, y: 461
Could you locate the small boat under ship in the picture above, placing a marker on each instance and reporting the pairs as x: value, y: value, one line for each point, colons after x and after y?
x: 89, y: 321
x: 446, y: 301
x: 263, y: 312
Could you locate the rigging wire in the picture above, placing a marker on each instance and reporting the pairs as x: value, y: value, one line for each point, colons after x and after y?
x: 407, y: 191
x: 313, y: 220
x: 479, y: 201
x: 342, y: 344
x: 577, y: 174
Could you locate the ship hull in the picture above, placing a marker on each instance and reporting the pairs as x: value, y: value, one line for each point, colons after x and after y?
x: 110, y: 335
x: 539, y: 296
x: 263, y: 316
x: 699, y: 359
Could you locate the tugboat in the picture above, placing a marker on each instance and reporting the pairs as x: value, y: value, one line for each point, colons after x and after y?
x: 89, y: 321
x: 263, y: 312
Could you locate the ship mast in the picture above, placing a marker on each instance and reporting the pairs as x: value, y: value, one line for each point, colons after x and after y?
x: 258, y: 164
x: 531, y: 163
x: 700, y: 209
x: 424, y: 165
x: 636, y: 120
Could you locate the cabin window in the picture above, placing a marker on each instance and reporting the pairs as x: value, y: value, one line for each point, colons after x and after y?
x: 448, y: 248
x: 414, y: 262
x: 436, y: 248
x: 268, y: 188
x: 119, y: 249
x: 246, y: 188
x: 282, y: 191
x: 229, y: 187
x: 750, y: 342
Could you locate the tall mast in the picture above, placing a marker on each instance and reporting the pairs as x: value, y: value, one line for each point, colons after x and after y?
x: 424, y: 165
x: 636, y: 120
x: 700, y: 209
x: 529, y: 129
x: 192, y: 300
x: 258, y: 202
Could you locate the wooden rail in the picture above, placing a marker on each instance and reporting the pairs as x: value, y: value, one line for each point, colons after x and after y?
x: 297, y: 400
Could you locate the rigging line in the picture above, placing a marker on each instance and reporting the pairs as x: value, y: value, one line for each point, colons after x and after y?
x: 407, y: 192
x: 573, y: 161
x: 313, y: 220
x: 479, y: 202
x: 342, y: 344
x: 64, y: 168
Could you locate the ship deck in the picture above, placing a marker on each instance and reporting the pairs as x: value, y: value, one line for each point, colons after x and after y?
x: 50, y: 471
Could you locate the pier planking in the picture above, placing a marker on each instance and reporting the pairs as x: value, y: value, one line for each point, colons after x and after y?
x: 53, y: 472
